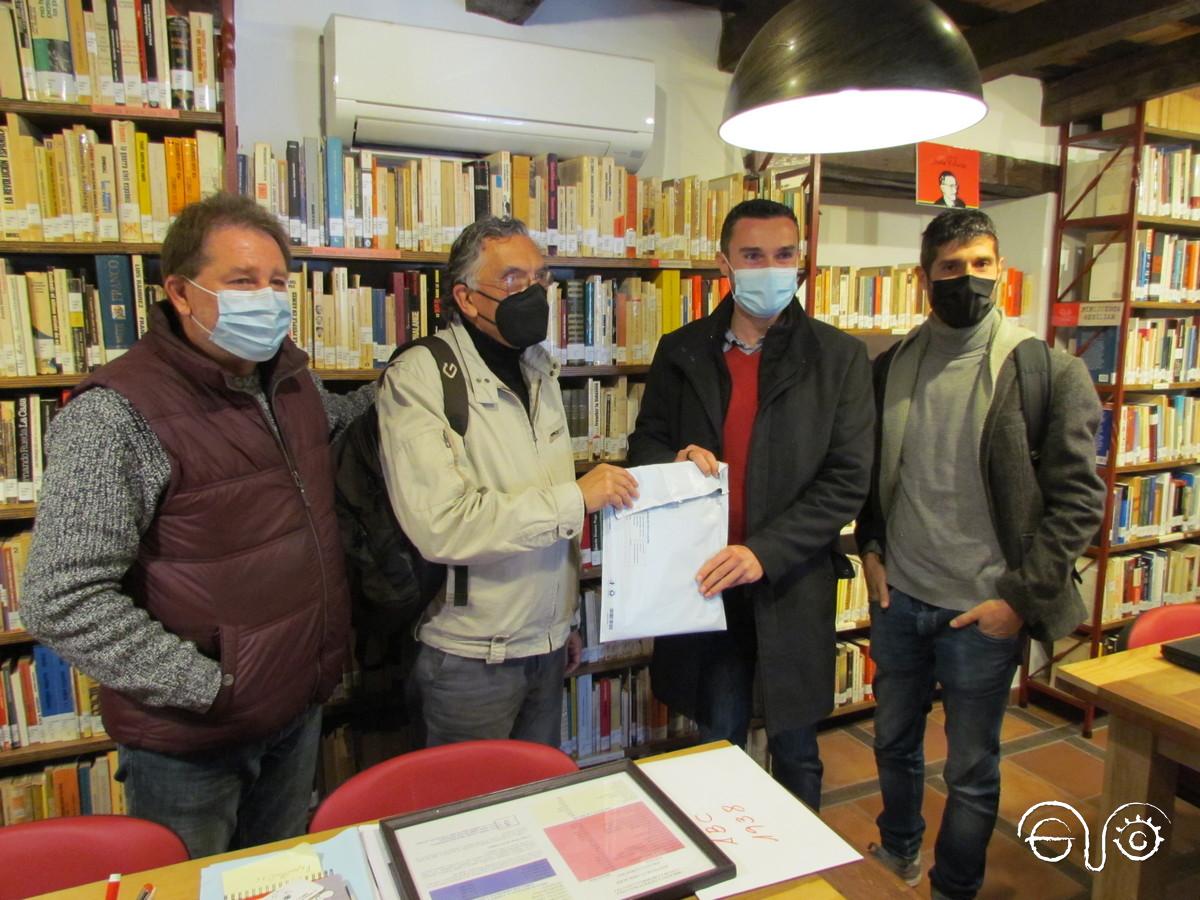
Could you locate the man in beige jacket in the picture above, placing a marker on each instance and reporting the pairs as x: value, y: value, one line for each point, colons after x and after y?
x: 501, y: 501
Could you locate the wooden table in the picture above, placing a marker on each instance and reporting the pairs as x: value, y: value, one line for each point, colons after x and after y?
x: 1153, y: 730
x: 867, y: 881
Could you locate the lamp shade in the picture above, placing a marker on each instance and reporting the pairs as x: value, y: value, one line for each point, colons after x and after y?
x: 827, y: 76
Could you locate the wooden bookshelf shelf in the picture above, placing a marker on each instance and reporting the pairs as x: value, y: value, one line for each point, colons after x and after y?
x: 1144, y: 543
x: 854, y: 626
x: 348, y: 374
x: 370, y: 254
x: 1144, y: 388
x: 1190, y: 226
x: 71, y: 113
x: 1115, y: 137
x: 18, y: 510
x: 61, y: 750
x: 1159, y: 466
x: 600, y: 371
x: 11, y: 638
x: 602, y: 666
x: 590, y: 573
x: 87, y: 248
x: 849, y: 709
x: 1163, y: 306
x: 39, y: 381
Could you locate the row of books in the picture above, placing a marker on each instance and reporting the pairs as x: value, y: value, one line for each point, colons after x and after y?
x: 605, y: 321
x: 1155, y: 505
x: 55, y: 321
x: 1151, y: 428
x: 1166, y: 268
x: 23, y: 425
x: 1135, y: 582
x: 126, y: 52
x: 73, y: 187
x: 600, y: 417
x: 853, y: 607
x: 82, y: 787
x: 605, y: 714
x: 1168, y: 183
x: 327, y: 195
x: 589, y: 630
x: 14, y: 554
x: 890, y: 297
x: 43, y: 700
x: 591, y: 540
x: 1159, y: 351
x: 1179, y: 111
x: 345, y: 324
x: 854, y: 673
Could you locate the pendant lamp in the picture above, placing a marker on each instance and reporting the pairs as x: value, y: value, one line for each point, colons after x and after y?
x: 828, y: 76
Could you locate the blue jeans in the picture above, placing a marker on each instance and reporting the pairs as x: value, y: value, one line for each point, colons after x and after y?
x: 464, y: 699
x: 225, y: 799
x: 723, y: 714
x: 914, y: 646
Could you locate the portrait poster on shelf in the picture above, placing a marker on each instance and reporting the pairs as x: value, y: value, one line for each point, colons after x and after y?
x: 947, y: 177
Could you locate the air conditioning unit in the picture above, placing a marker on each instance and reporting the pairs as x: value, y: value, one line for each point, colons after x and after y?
x: 426, y: 89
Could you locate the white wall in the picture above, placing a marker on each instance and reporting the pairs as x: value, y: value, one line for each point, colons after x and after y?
x: 278, y: 64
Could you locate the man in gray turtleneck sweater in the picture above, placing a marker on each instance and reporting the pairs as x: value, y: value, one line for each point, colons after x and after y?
x: 967, y: 544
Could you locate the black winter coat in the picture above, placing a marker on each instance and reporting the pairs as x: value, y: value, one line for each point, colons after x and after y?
x: 807, y: 476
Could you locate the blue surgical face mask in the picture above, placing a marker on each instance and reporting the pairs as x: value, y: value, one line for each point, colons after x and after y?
x: 764, y: 293
x: 250, y: 324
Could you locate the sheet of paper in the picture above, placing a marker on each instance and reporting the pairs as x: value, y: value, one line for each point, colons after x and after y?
x: 380, y: 862
x: 767, y: 832
x: 342, y: 854
x: 653, y: 551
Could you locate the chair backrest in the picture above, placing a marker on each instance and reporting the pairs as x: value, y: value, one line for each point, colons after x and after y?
x: 436, y: 776
x: 39, y: 857
x: 1163, y: 623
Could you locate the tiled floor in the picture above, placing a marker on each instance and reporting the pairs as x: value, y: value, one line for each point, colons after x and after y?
x: 1044, y: 758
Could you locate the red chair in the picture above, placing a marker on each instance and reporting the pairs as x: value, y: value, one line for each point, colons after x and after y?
x: 1163, y: 623
x: 436, y: 776
x: 39, y: 857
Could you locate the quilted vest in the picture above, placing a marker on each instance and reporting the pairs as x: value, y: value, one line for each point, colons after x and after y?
x: 243, y: 557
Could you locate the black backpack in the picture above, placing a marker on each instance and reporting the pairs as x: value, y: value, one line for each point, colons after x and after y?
x: 390, y: 582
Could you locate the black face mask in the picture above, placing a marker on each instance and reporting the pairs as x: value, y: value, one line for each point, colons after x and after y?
x: 963, y: 301
x: 521, y: 318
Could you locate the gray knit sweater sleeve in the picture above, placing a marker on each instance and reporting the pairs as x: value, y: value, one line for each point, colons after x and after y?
x: 105, y: 473
x: 342, y: 409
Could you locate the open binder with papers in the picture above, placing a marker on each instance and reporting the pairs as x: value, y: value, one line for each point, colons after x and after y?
x: 653, y: 551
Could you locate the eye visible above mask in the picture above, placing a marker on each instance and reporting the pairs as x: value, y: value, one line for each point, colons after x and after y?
x: 250, y: 324
x: 765, y: 292
x: 963, y: 301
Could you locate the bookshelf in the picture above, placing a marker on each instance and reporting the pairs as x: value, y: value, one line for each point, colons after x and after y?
x: 57, y: 239
x: 1121, y: 304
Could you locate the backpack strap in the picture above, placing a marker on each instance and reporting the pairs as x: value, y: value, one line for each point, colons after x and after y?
x: 454, y: 405
x: 1032, y: 358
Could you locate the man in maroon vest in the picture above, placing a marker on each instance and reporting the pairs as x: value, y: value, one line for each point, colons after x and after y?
x: 186, y: 553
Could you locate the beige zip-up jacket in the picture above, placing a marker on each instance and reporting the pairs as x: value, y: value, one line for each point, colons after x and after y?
x: 501, y: 501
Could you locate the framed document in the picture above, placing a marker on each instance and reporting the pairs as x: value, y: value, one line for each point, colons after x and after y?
x: 606, y: 832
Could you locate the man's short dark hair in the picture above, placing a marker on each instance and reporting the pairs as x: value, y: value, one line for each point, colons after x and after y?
x: 946, y: 173
x: 955, y: 226
x: 183, y: 247
x: 753, y: 209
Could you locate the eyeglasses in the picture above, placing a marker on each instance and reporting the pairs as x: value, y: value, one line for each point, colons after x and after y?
x: 514, y: 282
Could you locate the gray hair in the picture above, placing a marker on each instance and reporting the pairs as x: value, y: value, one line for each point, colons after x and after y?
x: 465, y: 254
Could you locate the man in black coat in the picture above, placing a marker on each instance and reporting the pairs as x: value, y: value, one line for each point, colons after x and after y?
x: 786, y: 402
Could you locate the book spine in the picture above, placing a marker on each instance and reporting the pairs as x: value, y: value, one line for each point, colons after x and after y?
x: 150, y: 52
x: 179, y: 57
x: 335, y: 227
x: 116, y: 304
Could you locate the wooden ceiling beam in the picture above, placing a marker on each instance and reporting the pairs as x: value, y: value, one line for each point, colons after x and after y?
x: 1055, y: 30
x: 514, y: 12
x: 1117, y: 83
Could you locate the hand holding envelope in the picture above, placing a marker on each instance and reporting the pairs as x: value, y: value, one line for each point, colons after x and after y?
x: 654, y: 548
